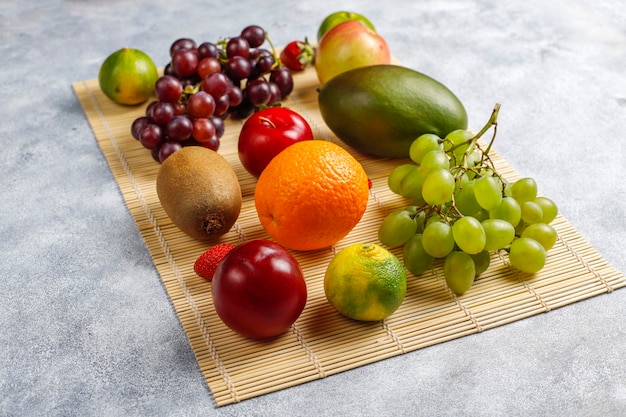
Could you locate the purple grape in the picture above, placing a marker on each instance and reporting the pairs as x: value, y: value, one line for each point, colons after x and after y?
x: 208, y: 49
x: 168, y: 148
x: 265, y: 63
x: 162, y: 112
x: 179, y: 128
x: 283, y: 78
x: 237, y: 46
x: 155, y: 153
x: 203, y: 130
x: 235, y: 96
x: 185, y: 62
x: 151, y: 136
x: 168, y: 88
x: 182, y: 44
x: 276, y: 95
x: 220, y: 128
x: 208, y: 65
x: 221, y: 105
x: 201, y: 104
x: 168, y: 70
x: 149, y: 107
x: 255, y: 35
x: 216, y: 84
x: 237, y: 68
x: 138, y: 125
x: 213, y: 143
x: 258, y: 92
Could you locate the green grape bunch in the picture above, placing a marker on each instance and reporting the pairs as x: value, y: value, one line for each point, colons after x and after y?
x: 461, y: 209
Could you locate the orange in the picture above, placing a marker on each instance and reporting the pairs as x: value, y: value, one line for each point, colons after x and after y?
x: 127, y: 76
x: 311, y: 195
x: 365, y: 281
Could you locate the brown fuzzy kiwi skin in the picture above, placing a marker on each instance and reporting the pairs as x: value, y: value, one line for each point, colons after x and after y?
x: 200, y: 192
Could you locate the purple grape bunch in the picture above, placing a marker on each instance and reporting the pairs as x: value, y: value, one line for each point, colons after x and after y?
x: 205, y: 83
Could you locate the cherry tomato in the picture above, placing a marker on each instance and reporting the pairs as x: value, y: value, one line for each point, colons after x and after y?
x: 266, y: 133
x: 297, y: 55
x: 258, y: 289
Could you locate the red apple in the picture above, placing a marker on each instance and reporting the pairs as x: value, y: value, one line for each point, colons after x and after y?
x: 266, y: 133
x: 348, y: 45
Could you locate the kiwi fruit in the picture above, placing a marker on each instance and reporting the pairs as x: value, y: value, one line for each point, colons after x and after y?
x: 199, y: 191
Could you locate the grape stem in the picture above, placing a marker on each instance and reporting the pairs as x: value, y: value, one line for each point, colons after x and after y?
x: 493, y: 121
x: 450, y: 213
x: 453, y: 212
x: 277, y: 62
x: 478, y: 167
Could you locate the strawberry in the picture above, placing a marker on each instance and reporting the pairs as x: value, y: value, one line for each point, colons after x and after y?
x: 297, y: 55
x: 207, y: 263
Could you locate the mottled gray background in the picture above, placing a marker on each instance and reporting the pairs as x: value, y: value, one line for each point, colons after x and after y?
x: 85, y: 325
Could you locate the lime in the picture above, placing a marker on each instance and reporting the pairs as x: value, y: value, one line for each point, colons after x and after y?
x: 128, y: 76
x: 335, y: 18
x: 365, y: 281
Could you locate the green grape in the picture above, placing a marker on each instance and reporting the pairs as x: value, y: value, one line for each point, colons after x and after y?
x: 434, y: 160
x: 549, y: 208
x: 416, y: 259
x: 420, y: 221
x: 437, y: 239
x: 469, y: 235
x: 460, y: 141
x: 527, y: 255
x: 499, y: 233
x: 482, y: 260
x: 488, y: 192
x: 433, y: 218
x: 464, y: 197
x: 418, y: 215
x: 521, y: 226
x: 460, y: 271
x: 531, y: 212
x: 524, y: 189
x: 396, y: 176
x: 411, y: 185
x: 481, y: 215
x: 396, y: 228
x: 508, y: 209
x: 473, y: 158
x: 438, y: 187
x: 457, y: 137
x: 423, y: 144
x: 542, y: 233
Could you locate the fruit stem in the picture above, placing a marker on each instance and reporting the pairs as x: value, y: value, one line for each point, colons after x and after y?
x: 267, y: 121
x: 277, y: 62
x: 307, y: 53
x: 493, y: 121
x: 470, y: 143
x: 484, y: 153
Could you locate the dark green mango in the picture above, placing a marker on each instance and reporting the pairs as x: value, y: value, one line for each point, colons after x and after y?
x: 380, y: 110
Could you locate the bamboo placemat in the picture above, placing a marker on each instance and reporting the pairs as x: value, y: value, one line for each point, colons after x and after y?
x: 322, y: 342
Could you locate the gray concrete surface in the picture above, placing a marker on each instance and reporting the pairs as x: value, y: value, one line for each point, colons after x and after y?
x: 86, y: 328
